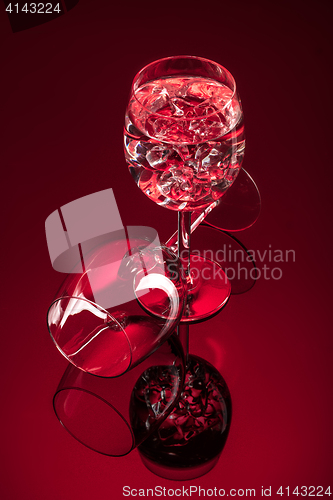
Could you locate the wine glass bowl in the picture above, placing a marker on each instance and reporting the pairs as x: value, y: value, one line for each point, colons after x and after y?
x: 190, y: 440
x: 184, y: 132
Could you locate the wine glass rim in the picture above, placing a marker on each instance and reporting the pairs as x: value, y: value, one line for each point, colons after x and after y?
x: 58, y: 299
x: 202, y: 59
x: 103, y: 400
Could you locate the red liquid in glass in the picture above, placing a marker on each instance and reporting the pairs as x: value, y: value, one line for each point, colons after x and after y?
x: 196, y: 430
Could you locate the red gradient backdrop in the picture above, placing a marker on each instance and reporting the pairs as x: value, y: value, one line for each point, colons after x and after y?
x: 64, y: 88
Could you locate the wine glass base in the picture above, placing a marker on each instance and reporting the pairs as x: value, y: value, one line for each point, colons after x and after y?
x: 225, y: 249
x: 209, y: 291
x: 239, y: 207
x: 178, y: 474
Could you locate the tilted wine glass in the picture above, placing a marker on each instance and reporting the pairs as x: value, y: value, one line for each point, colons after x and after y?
x: 127, y: 301
x: 184, y: 145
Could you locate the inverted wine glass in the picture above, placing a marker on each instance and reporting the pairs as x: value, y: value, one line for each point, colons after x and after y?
x: 189, y: 442
x: 184, y: 145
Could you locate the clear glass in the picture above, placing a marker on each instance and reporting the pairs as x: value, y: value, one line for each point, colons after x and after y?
x: 125, y: 304
x: 189, y: 442
x: 239, y: 208
x: 228, y: 252
x: 184, y: 145
x: 184, y: 132
x: 113, y: 416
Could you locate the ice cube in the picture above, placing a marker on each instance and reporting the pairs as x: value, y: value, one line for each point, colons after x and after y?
x: 182, y: 89
x: 176, y: 107
x: 160, y: 89
x: 160, y: 126
x: 176, y: 87
x: 165, y: 183
x: 204, y: 108
x: 157, y: 155
x: 183, y: 151
x: 201, y: 89
x: 157, y: 102
x: 214, y: 157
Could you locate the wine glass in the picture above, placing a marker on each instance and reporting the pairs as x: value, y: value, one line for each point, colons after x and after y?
x: 114, y: 415
x: 122, y: 307
x: 184, y: 145
x: 189, y: 442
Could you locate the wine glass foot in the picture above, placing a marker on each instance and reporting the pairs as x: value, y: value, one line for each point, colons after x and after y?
x: 225, y: 249
x: 208, y: 291
x: 188, y: 444
x: 239, y: 207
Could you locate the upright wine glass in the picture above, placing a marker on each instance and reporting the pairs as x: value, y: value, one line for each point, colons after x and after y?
x: 184, y: 145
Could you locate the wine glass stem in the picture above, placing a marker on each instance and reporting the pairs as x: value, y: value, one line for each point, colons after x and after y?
x: 198, y: 218
x: 184, y: 248
x: 184, y: 242
x: 184, y: 337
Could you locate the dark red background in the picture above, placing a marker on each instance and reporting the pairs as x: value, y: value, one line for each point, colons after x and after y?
x: 64, y: 89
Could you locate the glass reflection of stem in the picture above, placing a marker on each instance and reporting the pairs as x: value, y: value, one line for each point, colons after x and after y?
x: 184, y: 248
x: 184, y: 242
x: 183, y: 335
